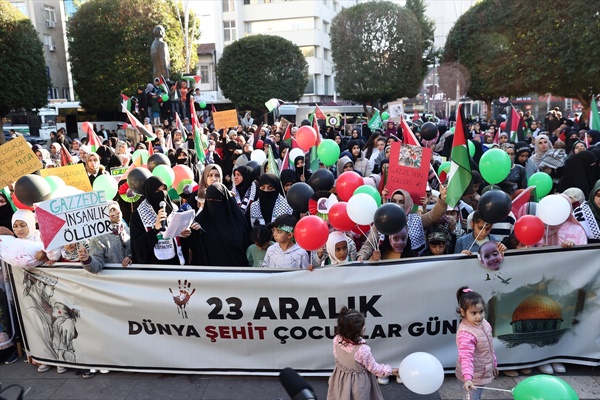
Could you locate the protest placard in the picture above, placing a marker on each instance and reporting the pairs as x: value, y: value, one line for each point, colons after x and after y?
x: 71, y: 219
x: 73, y: 175
x: 396, y: 109
x: 17, y: 159
x: 225, y: 119
x: 118, y: 172
x: 409, y: 169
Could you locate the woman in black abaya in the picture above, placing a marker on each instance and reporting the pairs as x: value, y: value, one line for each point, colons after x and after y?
x: 223, y: 234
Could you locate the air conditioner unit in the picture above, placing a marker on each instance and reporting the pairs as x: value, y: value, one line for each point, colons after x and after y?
x: 51, y: 47
x: 50, y: 23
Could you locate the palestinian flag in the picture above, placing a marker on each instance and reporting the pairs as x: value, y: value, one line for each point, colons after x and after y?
x: 375, y: 121
x: 319, y: 113
x: 139, y: 127
x: 287, y: 135
x: 126, y: 102
x: 514, y: 126
x: 271, y: 164
x: 65, y: 156
x: 93, y: 140
x: 179, y: 125
x: 285, y: 164
x: 273, y: 104
x: 409, y: 136
x: 199, y: 145
x: 314, y: 158
x: 521, y: 200
x: 459, y: 176
x: 594, y: 122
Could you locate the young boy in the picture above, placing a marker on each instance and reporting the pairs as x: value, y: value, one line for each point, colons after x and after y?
x: 261, y: 237
x: 470, y: 243
x: 489, y: 256
x: 285, y: 253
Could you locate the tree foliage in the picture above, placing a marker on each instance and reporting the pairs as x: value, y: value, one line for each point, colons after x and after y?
x: 23, y: 77
x: 377, y: 51
x: 257, y: 68
x: 418, y: 8
x: 537, y: 48
x: 109, y: 46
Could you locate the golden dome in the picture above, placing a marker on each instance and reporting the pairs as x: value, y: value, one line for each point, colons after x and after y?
x: 537, y: 306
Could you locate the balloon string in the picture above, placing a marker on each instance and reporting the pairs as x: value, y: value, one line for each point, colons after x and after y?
x: 436, y: 175
x: 482, y: 229
x: 547, y: 229
x: 367, y: 237
x: 488, y: 388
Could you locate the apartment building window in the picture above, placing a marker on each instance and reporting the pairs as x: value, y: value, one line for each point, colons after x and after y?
x: 228, y: 5
x: 53, y: 93
x: 327, y: 85
x: 65, y: 93
x: 20, y: 5
x: 326, y: 26
x: 229, y: 32
x: 282, y: 25
x: 326, y: 54
x: 307, y: 51
x: 50, y: 13
x: 205, y: 73
x: 310, y: 87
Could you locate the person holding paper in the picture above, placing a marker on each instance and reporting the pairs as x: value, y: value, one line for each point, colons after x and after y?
x: 112, y: 247
x: 148, y: 246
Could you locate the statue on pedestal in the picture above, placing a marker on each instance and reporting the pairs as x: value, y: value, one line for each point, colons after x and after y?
x: 159, y: 52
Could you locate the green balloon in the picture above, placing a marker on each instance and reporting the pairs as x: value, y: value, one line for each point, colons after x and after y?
x: 106, y: 184
x: 543, y: 387
x: 471, y: 148
x: 165, y: 97
x: 542, y: 182
x: 452, y: 129
x: 328, y: 152
x: 494, y: 166
x: 140, y: 152
x: 166, y: 173
x: 172, y: 193
x: 371, y: 191
x: 445, y: 167
x: 55, y: 183
x: 202, y: 104
x: 385, y: 115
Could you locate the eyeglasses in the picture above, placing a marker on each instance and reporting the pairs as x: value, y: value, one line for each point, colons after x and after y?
x: 437, y: 244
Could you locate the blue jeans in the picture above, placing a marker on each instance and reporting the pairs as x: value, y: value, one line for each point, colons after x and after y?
x: 473, y: 395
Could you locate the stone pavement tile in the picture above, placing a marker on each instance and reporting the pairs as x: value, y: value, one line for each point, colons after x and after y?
x: 586, y: 387
x: 33, y: 389
x: 319, y: 384
x: 176, y: 387
x: 99, y: 388
x: 243, y: 389
x: 394, y: 390
x: 596, y: 378
x: 451, y: 390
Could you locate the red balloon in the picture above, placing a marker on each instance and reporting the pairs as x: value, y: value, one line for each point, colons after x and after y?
x: 503, y: 126
x: 362, y: 230
x: 347, y: 183
x: 311, y: 233
x: 306, y: 137
x: 124, y: 126
x: 339, y: 219
x: 18, y: 204
x: 182, y: 172
x: 529, y: 229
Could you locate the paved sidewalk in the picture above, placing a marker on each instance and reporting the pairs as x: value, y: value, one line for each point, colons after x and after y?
x: 136, y: 386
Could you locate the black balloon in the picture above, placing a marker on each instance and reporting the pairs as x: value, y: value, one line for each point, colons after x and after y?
x: 494, y: 206
x: 429, y: 130
x: 298, y: 196
x: 255, y: 167
x: 305, y: 122
x: 322, y: 179
x: 158, y: 159
x: 136, y: 179
x: 389, y: 219
x: 31, y: 189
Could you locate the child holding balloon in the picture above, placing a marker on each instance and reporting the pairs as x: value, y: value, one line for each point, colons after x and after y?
x: 476, y: 364
x: 354, y: 376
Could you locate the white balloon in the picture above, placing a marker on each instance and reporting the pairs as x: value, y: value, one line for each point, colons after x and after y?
x: 295, y: 153
x: 553, y: 209
x: 361, y: 208
x: 421, y: 373
x: 259, y: 156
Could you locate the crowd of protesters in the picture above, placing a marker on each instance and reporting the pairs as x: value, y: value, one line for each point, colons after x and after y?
x: 243, y: 217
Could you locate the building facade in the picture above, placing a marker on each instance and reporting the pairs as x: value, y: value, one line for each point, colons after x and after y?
x: 305, y: 23
x: 49, y: 19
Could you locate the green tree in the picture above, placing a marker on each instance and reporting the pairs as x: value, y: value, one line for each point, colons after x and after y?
x: 114, y: 56
x: 377, y: 51
x: 418, y: 8
x: 23, y: 77
x: 257, y: 68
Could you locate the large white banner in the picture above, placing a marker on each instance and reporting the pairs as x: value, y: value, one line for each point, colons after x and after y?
x: 544, y: 305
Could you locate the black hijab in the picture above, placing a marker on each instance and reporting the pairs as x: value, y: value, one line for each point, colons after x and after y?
x: 226, y: 233
x: 6, y: 213
x: 268, y: 199
x: 153, y: 197
x: 304, y: 171
x: 104, y: 153
x: 288, y: 175
x: 246, y: 173
x: 581, y: 171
